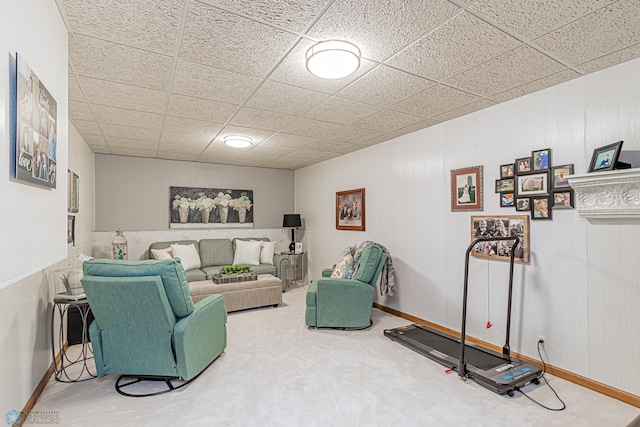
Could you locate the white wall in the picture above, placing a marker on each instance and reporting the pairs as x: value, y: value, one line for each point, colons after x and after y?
x: 580, y: 289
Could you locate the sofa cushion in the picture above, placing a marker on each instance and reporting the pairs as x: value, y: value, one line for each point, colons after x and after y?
x: 170, y: 271
x: 247, y: 252
x: 341, y: 267
x: 368, y: 265
x: 188, y: 255
x: 167, y: 244
x: 215, y: 252
x: 161, y: 253
x: 266, y: 252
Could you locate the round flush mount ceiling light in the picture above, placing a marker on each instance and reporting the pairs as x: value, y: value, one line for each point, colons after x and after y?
x: 333, y: 59
x: 237, y: 141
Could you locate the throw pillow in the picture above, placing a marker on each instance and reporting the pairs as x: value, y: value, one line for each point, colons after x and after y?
x: 266, y: 253
x: 165, y: 253
x: 188, y: 255
x: 342, y: 266
x: 247, y: 252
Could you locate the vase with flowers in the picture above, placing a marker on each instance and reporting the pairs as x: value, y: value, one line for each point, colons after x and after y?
x: 183, y: 204
x: 222, y: 203
x: 242, y: 204
x: 205, y: 204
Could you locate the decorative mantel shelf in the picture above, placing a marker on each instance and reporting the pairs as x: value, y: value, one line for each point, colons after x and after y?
x: 609, y: 194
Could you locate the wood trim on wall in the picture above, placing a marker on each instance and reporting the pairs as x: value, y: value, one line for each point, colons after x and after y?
x: 599, y: 387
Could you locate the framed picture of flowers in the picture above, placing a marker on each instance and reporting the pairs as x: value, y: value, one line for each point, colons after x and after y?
x: 191, y: 207
x: 350, y: 210
x: 466, y: 189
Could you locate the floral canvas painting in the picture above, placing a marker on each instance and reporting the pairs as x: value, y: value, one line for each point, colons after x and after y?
x: 191, y: 207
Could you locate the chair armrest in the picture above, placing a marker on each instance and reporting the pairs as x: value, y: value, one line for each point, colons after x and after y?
x: 201, y: 336
x: 327, y: 272
x: 282, y: 263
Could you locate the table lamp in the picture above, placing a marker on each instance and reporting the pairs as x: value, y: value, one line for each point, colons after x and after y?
x: 292, y: 221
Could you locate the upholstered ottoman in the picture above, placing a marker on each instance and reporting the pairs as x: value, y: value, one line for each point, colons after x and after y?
x: 267, y: 290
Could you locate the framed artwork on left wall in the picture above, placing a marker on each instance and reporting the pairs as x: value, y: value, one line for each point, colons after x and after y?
x: 71, y: 229
x: 467, y: 189
x: 350, y: 210
x: 72, y: 192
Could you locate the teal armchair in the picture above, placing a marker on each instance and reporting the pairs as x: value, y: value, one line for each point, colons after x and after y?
x: 146, y: 325
x: 345, y: 303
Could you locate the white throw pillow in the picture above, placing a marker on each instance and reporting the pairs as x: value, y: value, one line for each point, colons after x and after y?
x: 188, y: 255
x: 266, y: 254
x: 165, y: 253
x: 247, y: 252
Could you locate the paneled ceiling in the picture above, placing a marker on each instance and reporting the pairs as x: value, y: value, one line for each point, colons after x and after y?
x: 170, y: 78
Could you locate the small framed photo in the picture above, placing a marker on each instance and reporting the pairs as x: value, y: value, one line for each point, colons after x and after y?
x: 72, y: 193
x: 505, y: 185
x: 523, y: 204
x: 535, y: 184
x: 558, y: 176
x: 541, y: 159
x: 466, y: 189
x: 523, y: 166
x: 507, y: 200
x: 350, y: 210
x: 541, y: 207
x: 71, y: 229
x: 507, y: 171
x: 563, y: 200
x: 605, y: 158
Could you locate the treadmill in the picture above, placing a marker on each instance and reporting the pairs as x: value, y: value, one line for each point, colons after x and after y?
x: 498, y: 372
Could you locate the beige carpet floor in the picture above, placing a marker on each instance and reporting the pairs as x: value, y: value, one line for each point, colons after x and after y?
x: 277, y: 372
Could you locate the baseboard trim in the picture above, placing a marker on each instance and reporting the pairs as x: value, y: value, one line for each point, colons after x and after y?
x: 599, y: 387
x: 41, y: 385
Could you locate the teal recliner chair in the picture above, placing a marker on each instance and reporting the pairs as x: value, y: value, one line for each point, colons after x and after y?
x: 146, y: 325
x: 345, y: 303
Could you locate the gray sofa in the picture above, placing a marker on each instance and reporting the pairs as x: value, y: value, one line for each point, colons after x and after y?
x: 215, y: 253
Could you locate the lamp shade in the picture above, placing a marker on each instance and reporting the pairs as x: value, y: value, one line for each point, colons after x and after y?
x: 292, y: 220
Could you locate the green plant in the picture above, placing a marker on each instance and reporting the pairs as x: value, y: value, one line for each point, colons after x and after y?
x: 233, y: 269
x: 351, y: 250
x: 65, y: 282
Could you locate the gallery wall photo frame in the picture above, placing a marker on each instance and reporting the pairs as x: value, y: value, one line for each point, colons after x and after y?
x: 467, y: 189
x: 533, y: 184
x: 541, y: 160
x: 73, y: 187
x: 507, y: 200
x: 605, y: 158
x: 523, y: 204
x: 507, y: 171
x: 350, y: 210
x: 523, y: 166
x: 501, y: 226
x: 505, y: 185
x: 558, y: 176
x: 541, y: 208
x: 563, y: 199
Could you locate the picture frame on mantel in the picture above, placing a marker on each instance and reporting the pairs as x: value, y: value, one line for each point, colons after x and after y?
x: 467, y: 189
x: 605, y: 158
x: 350, y: 210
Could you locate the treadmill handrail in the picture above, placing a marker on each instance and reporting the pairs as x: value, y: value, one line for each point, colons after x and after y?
x: 462, y: 365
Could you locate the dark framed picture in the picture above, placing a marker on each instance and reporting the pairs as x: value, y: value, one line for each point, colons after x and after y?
x: 71, y: 228
x: 501, y: 226
x: 558, y: 176
x: 523, y: 166
x: 563, y: 200
x: 505, y: 185
x: 350, y: 210
x: 523, y: 204
x: 605, y: 158
x: 541, y: 207
x: 531, y: 185
x: 507, y: 171
x: 541, y: 159
x: 467, y: 189
x: 507, y: 200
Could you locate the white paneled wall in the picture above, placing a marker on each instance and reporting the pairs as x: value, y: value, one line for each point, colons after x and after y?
x: 581, y: 288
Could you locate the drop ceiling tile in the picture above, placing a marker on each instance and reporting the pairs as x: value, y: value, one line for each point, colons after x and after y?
x: 185, y: 148
x: 119, y: 63
x: 75, y: 93
x: 258, y: 157
x: 120, y: 116
x: 292, y: 15
x: 435, y: 100
x: 350, y: 149
x: 531, y: 19
x: 225, y: 40
x: 330, y: 146
x: 133, y: 144
x: 185, y: 125
x: 311, y: 128
x: 467, y: 109
x: 202, y: 81
x: 271, y: 149
x: 288, y: 140
x: 411, y: 128
x: 536, y: 85
x: 354, y: 134
x: 387, y: 121
x: 381, y: 29
x: 607, y: 30
x: 150, y: 25
x: 514, y: 68
x: 200, y: 109
x: 80, y: 110
x: 280, y: 165
x: 132, y: 152
x: 293, y: 71
x: 611, y: 59
x: 306, y: 153
x: 94, y: 140
x: 460, y: 44
x: 177, y: 156
x: 286, y: 99
x: 380, y: 139
x: 384, y: 86
x: 261, y: 119
x: 100, y: 149
x: 242, y: 161
x: 129, y: 132
x: 123, y: 96
x: 86, y: 127
x: 342, y: 111
x: 192, y: 138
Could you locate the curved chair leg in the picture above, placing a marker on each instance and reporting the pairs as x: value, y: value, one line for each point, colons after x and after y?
x: 358, y: 328
x: 167, y: 380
